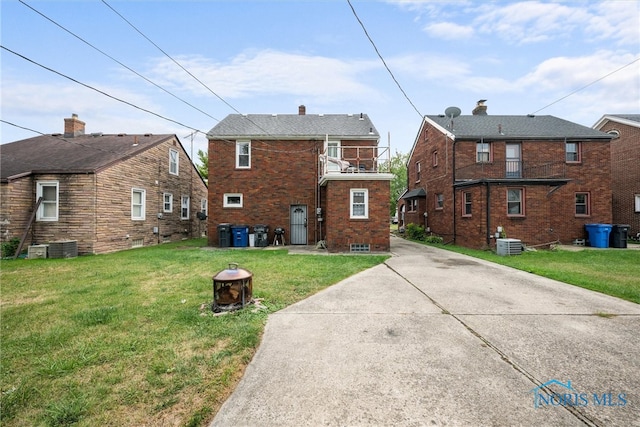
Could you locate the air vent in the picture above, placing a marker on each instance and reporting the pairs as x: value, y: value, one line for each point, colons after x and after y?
x: 509, y: 246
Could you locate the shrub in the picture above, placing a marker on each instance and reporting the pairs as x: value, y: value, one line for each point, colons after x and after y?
x: 415, y: 232
x: 9, y: 248
x: 434, y: 239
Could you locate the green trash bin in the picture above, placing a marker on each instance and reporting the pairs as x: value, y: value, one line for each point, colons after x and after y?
x: 618, y: 236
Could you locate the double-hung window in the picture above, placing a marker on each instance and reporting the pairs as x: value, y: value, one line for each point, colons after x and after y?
x: 138, y: 201
x: 483, y: 152
x: 418, y: 171
x: 582, y: 204
x: 184, y: 207
x: 439, y: 201
x: 637, y: 203
x: 359, y: 203
x: 48, y: 210
x: 174, y: 160
x: 572, y: 152
x: 466, y: 204
x: 167, y: 204
x: 333, y: 149
x: 434, y: 158
x: 515, y: 202
x: 243, y: 154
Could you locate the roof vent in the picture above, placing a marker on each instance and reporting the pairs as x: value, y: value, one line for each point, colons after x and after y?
x: 361, y: 117
x: 96, y: 134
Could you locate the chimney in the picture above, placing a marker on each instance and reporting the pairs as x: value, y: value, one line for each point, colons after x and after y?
x: 73, y: 127
x: 302, y: 110
x: 481, y: 109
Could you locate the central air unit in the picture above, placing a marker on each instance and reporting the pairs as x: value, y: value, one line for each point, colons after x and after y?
x: 63, y: 249
x: 509, y: 246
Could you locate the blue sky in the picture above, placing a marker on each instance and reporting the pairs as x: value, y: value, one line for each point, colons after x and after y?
x: 265, y: 57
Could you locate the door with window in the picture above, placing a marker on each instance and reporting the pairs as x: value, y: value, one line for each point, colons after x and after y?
x: 514, y: 161
x: 298, y: 226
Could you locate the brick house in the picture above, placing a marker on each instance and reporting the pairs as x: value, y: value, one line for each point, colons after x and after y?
x: 625, y: 167
x: 319, y: 177
x: 107, y: 192
x: 539, y: 178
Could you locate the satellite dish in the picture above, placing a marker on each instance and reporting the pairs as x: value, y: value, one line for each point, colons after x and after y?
x: 452, y: 112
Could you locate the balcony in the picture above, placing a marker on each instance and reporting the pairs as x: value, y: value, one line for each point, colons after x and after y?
x: 355, y: 159
x: 512, y: 169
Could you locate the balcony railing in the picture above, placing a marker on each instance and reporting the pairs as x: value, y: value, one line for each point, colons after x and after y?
x: 355, y: 159
x: 512, y: 169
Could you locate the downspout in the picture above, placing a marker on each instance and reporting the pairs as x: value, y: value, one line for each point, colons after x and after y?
x: 488, y: 213
x: 453, y: 185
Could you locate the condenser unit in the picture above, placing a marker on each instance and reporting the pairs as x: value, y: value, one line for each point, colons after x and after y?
x: 509, y: 246
x: 63, y: 249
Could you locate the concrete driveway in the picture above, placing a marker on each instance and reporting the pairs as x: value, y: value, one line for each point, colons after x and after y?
x: 434, y: 338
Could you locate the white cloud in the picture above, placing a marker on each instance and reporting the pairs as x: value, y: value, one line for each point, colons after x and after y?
x: 449, y: 31
x: 620, y: 23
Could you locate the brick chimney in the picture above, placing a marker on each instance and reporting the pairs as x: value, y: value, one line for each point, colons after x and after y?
x: 481, y: 109
x: 73, y: 127
x: 302, y: 110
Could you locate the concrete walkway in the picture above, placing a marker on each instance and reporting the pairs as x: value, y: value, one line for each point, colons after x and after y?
x: 434, y: 338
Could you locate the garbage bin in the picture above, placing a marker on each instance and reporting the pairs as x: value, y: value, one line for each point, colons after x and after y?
x: 598, y: 234
x: 261, y: 231
x: 618, y: 236
x: 224, y: 235
x: 240, y: 234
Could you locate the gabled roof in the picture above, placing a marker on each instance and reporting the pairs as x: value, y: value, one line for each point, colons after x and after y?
x: 294, y: 126
x: 626, y: 119
x: 79, y: 154
x: 514, y: 127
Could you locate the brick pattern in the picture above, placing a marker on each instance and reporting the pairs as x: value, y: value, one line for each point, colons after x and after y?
x: 625, y: 173
x: 549, y: 210
x: 95, y: 209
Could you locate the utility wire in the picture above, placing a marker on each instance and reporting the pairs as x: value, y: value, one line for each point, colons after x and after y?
x: 118, y: 62
x: 586, y: 86
x: 382, y: 59
x: 98, y: 90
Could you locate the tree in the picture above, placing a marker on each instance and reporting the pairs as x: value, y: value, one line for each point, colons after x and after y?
x: 398, y: 167
x: 202, y: 164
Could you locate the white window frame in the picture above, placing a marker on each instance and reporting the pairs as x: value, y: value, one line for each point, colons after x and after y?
x: 333, y: 149
x: 520, y: 202
x: 174, y: 162
x: 483, y: 149
x: 168, y: 202
x: 439, y: 201
x: 418, y: 171
x: 185, y: 207
x: 227, y: 200
x: 40, y: 215
x: 142, y: 204
x: 577, y: 153
x: 365, y: 203
x: 203, y: 206
x: 239, y: 154
x: 637, y: 202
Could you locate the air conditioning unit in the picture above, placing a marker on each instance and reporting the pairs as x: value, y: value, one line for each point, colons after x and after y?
x: 63, y: 249
x: 37, y: 251
x: 509, y: 246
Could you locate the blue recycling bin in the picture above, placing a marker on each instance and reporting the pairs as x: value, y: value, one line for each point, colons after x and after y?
x: 598, y: 234
x: 240, y: 235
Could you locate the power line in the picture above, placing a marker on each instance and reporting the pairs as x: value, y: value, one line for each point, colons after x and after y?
x: 99, y: 91
x: 382, y: 59
x: 587, y: 85
x: 115, y: 60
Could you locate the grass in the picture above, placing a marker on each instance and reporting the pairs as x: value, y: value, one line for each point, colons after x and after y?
x: 614, y: 272
x: 128, y: 338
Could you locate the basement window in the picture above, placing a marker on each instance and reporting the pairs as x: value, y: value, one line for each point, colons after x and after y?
x: 137, y: 243
x: 359, y: 247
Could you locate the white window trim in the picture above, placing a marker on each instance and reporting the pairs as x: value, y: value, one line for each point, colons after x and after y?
x: 334, y: 149
x: 182, y: 207
x: 143, y: 209
x: 238, y: 145
x: 203, y: 206
x: 227, y: 196
x: 171, y: 162
x: 366, y: 203
x: 637, y: 202
x: 164, y: 202
x: 40, y: 214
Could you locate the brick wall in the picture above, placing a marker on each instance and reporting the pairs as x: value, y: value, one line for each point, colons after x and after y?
x: 625, y: 173
x: 342, y: 231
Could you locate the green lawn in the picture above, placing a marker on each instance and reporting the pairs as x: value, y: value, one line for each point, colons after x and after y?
x: 128, y: 339
x: 613, y: 272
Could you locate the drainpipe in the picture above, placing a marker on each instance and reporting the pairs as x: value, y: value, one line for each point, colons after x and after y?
x: 453, y: 174
x: 488, y: 213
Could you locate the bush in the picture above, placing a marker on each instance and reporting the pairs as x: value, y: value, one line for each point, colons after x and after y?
x: 9, y: 248
x: 434, y: 239
x: 415, y: 232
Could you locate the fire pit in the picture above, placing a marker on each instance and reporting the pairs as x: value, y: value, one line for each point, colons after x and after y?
x: 232, y: 289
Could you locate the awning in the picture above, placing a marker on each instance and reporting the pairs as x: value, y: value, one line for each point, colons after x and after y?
x: 418, y: 192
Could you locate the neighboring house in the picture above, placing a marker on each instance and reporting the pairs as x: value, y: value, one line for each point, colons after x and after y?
x: 316, y: 176
x: 107, y: 192
x: 539, y: 179
x: 625, y: 167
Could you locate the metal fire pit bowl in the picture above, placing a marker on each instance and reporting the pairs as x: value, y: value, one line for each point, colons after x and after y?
x: 232, y: 289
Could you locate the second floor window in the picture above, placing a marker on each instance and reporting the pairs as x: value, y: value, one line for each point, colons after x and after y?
x: 572, y: 151
x: 417, y: 171
x: 439, y: 201
x: 243, y: 154
x: 333, y: 149
x: 483, y: 152
x: 173, y: 162
x: 582, y: 204
x: 434, y: 158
